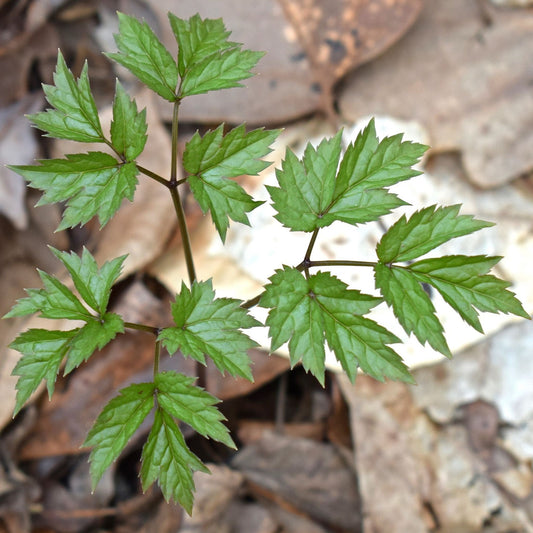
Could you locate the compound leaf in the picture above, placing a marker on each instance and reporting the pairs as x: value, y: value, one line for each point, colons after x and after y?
x: 465, y: 285
x: 143, y: 54
x: 306, y: 187
x: 94, y: 335
x: 213, y: 158
x: 367, y: 167
x: 411, y: 305
x: 115, y: 425
x: 177, y: 395
x: 54, y: 301
x: 128, y: 128
x: 207, y: 61
x: 371, y: 163
x: 91, y: 184
x: 75, y: 116
x: 205, y: 325
x: 93, y: 283
x: 57, y: 301
x: 306, y: 312
x: 44, y: 350
x: 166, y: 457
x: 355, y: 192
x: 42, y: 353
x: 426, y: 229
x: 198, y: 39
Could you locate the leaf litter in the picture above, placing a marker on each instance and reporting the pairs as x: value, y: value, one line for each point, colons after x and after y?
x: 270, y: 513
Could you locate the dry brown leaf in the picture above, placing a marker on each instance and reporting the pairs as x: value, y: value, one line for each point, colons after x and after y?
x: 464, y: 73
x: 214, y: 493
x: 20, y: 253
x: 251, y: 431
x: 17, y: 57
x: 339, y: 36
x: 252, y: 518
x: 307, y: 477
x: 146, y: 513
x: 416, y: 475
x: 17, y: 146
x: 392, y: 479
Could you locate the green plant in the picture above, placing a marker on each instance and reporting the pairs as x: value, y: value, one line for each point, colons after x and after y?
x: 307, y: 308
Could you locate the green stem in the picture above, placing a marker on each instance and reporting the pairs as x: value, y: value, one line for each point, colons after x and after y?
x: 305, y: 265
x: 174, y: 161
x: 309, y: 264
x: 311, y: 245
x: 184, y: 234
x: 153, y: 175
x: 157, y: 357
x: 141, y: 327
x: 182, y: 223
x: 307, y: 258
x: 252, y: 302
x: 178, y: 207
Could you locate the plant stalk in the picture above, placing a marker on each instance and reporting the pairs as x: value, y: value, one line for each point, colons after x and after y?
x: 157, y: 357
x: 178, y: 207
x: 153, y: 175
x: 307, y: 258
x: 305, y: 265
x: 182, y: 223
x: 187, y: 249
x: 142, y: 327
x: 334, y: 262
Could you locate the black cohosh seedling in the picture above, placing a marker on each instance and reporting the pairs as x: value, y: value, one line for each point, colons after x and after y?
x: 308, y: 307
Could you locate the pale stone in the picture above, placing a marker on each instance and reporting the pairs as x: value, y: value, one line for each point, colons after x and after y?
x: 516, y: 481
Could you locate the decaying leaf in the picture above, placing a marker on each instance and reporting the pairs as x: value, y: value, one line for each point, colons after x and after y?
x: 310, y: 478
x: 463, y: 73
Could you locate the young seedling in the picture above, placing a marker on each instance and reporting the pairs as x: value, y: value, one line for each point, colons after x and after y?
x: 308, y: 307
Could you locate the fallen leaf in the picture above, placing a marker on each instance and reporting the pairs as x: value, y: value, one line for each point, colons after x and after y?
x: 393, y: 480
x: 463, y: 73
x: 148, y: 512
x: 293, y: 523
x: 18, y: 145
x: 339, y: 36
x: 17, y: 57
x: 251, y: 431
x: 214, y: 493
x: 307, y: 477
x: 252, y: 518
